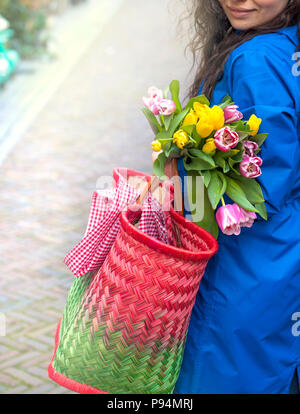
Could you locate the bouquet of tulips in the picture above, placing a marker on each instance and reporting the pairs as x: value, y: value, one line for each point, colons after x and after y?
x: 216, y: 144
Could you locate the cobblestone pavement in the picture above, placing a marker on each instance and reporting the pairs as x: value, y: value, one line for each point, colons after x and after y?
x: 92, y: 124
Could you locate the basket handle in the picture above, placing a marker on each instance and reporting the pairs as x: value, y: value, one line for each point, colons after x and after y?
x: 178, y: 202
x: 154, y: 182
x: 151, y: 186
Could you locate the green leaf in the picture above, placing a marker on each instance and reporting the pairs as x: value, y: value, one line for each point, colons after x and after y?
x: 240, y: 125
x: 196, y: 164
x: 221, y: 162
x: 165, y: 141
x: 171, y: 150
x: 216, y: 188
x: 238, y: 156
x: 155, y: 125
x: 208, y: 221
x: 174, y: 89
x: 176, y: 121
x: 197, y: 153
x: 250, y: 187
x: 227, y: 98
x: 167, y: 120
x: 201, y: 99
x: 220, y: 159
x: 259, y: 138
x: 197, y: 137
x: 163, y: 135
x: 206, y: 176
x: 159, y: 165
x: 235, y: 192
x: 226, y: 154
x: 242, y: 135
x: 224, y: 182
x: 192, y: 140
x: 231, y: 163
x: 166, y: 91
x: 226, y: 167
x: 262, y: 211
x: 167, y: 147
x: 188, y: 129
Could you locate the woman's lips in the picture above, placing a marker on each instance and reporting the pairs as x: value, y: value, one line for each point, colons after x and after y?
x: 240, y: 12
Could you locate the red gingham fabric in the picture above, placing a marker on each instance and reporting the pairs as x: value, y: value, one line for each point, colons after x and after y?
x: 104, y: 224
x: 152, y: 221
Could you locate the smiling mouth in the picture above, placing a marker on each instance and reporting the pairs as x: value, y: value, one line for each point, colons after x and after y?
x: 240, y: 12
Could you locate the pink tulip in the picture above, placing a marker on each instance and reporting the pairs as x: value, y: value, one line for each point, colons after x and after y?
x: 152, y: 104
x: 167, y: 106
x: 225, y: 138
x: 155, y: 96
x: 157, y: 103
x: 155, y: 93
x: 250, y: 147
x: 249, y: 166
x: 247, y: 218
x: 163, y: 107
x: 228, y: 218
x: 231, y: 114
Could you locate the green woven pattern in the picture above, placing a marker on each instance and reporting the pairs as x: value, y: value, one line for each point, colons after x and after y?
x: 124, y: 326
x: 75, y: 296
x: 144, y: 371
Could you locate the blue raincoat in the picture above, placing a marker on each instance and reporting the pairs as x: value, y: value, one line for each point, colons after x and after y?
x: 244, y: 332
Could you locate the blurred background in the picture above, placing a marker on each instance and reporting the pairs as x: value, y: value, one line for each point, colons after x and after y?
x: 72, y: 77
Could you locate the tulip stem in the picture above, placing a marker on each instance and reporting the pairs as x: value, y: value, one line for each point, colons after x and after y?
x: 223, y: 202
x: 162, y: 120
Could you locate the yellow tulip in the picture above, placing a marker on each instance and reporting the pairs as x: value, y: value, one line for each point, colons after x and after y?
x: 156, y: 146
x: 201, y: 109
x: 204, y: 126
x: 209, y: 146
x: 181, y: 138
x: 216, y: 115
x: 180, y: 143
x: 254, y: 124
x: 191, y: 118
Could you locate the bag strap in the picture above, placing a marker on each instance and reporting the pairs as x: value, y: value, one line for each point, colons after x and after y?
x: 154, y: 182
x: 150, y: 187
x: 178, y: 202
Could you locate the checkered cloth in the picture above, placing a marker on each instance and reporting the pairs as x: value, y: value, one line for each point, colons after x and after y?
x: 104, y: 224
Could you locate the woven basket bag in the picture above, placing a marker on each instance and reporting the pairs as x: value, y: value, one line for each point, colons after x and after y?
x: 124, y: 326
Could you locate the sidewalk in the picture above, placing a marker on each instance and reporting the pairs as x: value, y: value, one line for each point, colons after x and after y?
x: 89, y: 124
x: 36, y: 81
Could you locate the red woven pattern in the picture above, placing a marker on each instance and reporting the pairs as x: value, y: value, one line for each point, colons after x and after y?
x: 128, y: 331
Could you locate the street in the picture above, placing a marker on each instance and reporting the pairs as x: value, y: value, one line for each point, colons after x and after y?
x: 91, y: 123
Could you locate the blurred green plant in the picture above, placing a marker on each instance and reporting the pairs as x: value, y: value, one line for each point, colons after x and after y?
x: 29, y: 27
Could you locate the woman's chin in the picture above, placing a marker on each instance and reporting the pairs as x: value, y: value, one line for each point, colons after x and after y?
x: 242, y: 25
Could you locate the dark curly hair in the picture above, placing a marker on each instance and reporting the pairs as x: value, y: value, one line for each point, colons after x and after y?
x: 214, y: 36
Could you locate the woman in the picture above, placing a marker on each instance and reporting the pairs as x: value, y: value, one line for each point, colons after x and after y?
x: 242, y: 335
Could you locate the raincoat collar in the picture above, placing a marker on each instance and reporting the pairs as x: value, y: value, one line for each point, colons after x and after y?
x: 290, y: 31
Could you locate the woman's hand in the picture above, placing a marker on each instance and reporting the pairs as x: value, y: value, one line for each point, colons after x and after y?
x: 155, y: 154
x: 169, y: 166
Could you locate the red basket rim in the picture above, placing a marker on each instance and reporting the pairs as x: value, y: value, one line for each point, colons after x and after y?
x: 155, y: 244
